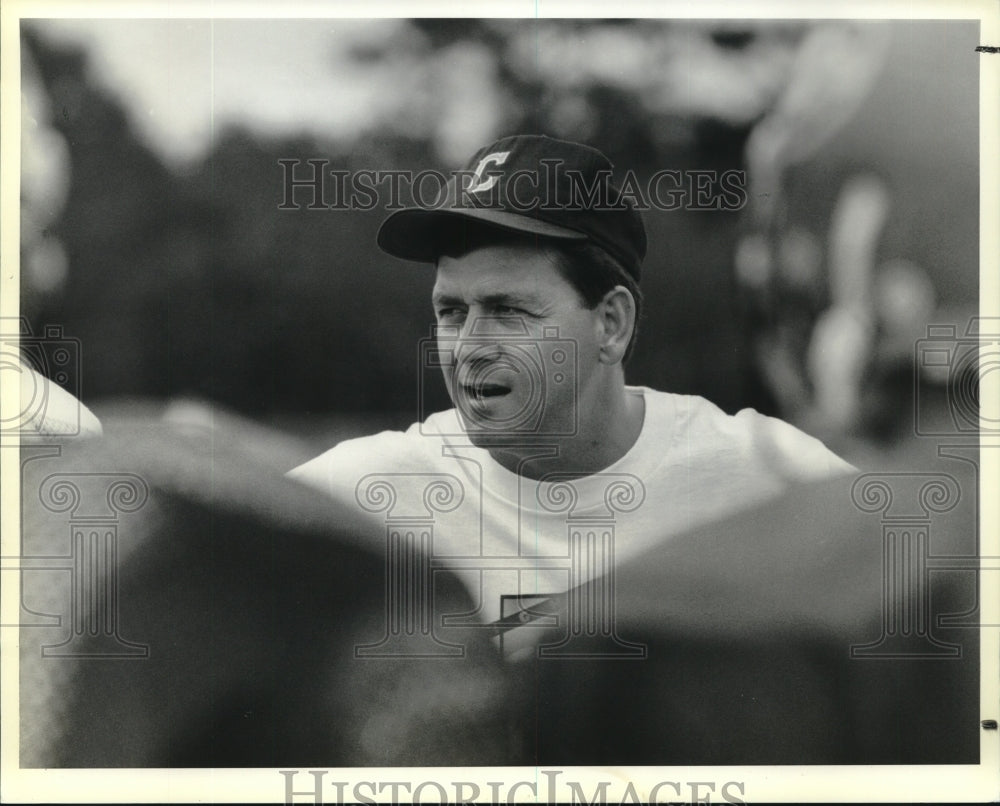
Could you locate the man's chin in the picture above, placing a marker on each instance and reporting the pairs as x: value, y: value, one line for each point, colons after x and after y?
x: 494, y: 424
x: 492, y: 439
x: 484, y: 437
x: 485, y: 423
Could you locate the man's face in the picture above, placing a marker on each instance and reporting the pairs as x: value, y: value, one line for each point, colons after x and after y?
x: 522, y: 346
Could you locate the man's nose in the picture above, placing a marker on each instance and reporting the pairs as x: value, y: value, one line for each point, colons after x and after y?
x: 475, y: 350
x: 482, y: 335
x: 485, y: 326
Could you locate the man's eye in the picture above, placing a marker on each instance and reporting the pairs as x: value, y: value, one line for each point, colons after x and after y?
x: 450, y: 313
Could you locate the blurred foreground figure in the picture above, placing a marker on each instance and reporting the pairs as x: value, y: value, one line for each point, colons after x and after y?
x: 837, y: 625
x: 182, y: 607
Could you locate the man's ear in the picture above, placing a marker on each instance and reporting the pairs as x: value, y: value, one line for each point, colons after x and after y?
x: 617, y: 321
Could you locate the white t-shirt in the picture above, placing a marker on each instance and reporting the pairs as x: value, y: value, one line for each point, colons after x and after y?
x: 508, y: 535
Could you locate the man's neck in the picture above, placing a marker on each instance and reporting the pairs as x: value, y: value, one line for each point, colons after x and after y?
x: 603, y: 438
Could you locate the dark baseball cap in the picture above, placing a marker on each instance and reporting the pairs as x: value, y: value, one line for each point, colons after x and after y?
x: 529, y: 184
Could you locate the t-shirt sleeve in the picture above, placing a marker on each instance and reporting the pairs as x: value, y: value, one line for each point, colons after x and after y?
x: 789, y: 452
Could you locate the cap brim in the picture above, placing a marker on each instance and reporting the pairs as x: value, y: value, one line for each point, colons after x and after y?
x: 417, y: 234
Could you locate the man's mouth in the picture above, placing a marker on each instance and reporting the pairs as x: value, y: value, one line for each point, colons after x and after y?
x: 484, y: 391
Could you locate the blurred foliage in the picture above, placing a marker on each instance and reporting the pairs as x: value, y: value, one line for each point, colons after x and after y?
x: 194, y: 282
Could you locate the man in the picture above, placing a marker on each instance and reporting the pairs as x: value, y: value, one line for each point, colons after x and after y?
x: 537, y: 301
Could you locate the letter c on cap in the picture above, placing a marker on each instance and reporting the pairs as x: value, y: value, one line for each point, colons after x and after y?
x: 476, y: 184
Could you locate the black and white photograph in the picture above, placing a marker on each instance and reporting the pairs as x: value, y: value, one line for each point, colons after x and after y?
x: 500, y: 402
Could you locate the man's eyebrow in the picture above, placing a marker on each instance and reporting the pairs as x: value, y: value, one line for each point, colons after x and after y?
x: 505, y: 298
x: 493, y: 299
x: 445, y: 299
x: 486, y: 300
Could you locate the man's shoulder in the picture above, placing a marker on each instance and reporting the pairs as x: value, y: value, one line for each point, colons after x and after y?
x: 701, y: 427
x: 689, y: 418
